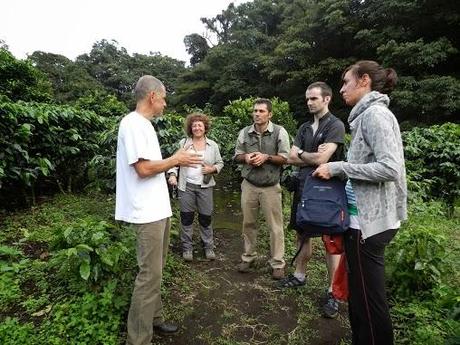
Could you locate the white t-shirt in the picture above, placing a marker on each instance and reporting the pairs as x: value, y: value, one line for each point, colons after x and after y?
x: 193, y: 174
x: 139, y: 200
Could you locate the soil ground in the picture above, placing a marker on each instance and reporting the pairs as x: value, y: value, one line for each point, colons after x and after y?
x: 226, y: 307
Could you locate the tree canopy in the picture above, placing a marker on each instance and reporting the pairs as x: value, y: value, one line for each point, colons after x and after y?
x: 278, y: 47
x: 270, y: 48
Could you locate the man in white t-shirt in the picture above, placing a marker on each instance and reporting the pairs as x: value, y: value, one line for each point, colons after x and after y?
x: 142, y: 199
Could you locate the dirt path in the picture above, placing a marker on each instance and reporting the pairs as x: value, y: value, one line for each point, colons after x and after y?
x: 225, y: 307
x: 233, y: 308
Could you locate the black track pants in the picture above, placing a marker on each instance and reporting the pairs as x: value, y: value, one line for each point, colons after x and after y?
x: 368, y: 307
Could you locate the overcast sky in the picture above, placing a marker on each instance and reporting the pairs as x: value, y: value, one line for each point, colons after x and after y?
x: 70, y: 27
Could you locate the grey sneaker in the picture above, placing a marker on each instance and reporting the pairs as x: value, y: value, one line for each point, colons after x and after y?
x: 331, y: 308
x: 187, y: 255
x: 210, y: 255
x: 244, y: 267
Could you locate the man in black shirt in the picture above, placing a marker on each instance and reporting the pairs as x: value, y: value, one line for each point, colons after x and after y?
x: 318, y: 141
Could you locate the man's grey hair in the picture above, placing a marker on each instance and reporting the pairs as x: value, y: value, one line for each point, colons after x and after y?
x: 146, y: 84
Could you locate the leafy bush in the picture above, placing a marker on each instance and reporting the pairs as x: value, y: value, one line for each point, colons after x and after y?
x: 93, y: 248
x: 22, y: 81
x: 170, y: 129
x: 102, y: 104
x: 417, y: 260
x: 240, y: 110
x: 102, y: 167
x: 423, y: 277
x: 45, y: 145
x: 433, y: 162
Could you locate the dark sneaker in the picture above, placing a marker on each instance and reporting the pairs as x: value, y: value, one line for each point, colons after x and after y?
x: 290, y: 282
x: 210, y: 255
x: 244, y: 267
x: 331, y: 308
x: 166, y: 328
x: 278, y: 273
x: 187, y: 255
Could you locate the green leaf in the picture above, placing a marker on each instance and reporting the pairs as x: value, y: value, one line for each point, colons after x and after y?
x: 419, y: 266
x: 84, y: 247
x: 85, y: 270
x: 67, y: 232
x: 72, y: 252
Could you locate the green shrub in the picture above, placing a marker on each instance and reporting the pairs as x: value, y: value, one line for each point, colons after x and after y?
x: 20, y: 80
x: 170, y: 129
x: 224, y: 132
x: 433, y: 162
x: 45, y: 145
x: 12, y: 332
x: 102, y: 166
x: 240, y: 113
x: 10, y: 291
x: 92, y: 248
x: 417, y: 259
x: 102, y: 104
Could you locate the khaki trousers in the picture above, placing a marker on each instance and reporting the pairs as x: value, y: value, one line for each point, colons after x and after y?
x: 146, y: 307
x: 269, y: 200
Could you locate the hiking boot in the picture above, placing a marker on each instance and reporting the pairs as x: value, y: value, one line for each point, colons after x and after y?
x: 278, y: 273
x: 244, y: 267
x: 187, y: 255
x: 331, y: 308
x: 209, y: 253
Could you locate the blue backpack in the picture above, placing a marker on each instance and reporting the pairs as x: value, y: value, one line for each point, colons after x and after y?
x: 323, y: 209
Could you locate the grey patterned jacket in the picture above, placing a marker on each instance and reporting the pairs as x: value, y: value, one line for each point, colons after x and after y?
x: 375, y: 165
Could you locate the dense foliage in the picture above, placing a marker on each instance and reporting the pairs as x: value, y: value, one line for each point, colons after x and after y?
x: 423, y: 277
x: 19, y: 80
x: 45, y: 145
x: 71, y: 275
x: 277, y: 48
x: 274, y: 49
x: 433, y: 160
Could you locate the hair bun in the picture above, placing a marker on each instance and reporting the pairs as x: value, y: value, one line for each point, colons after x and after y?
x: 391, y: 80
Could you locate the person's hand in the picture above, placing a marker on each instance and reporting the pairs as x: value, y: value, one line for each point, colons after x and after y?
x: 208, y: 169
x: 172, y: 180
x: 188, y: 158
x: 322, y: 172
x: 248, y: 158
x: 256, y: 158
x: 259, y: 159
